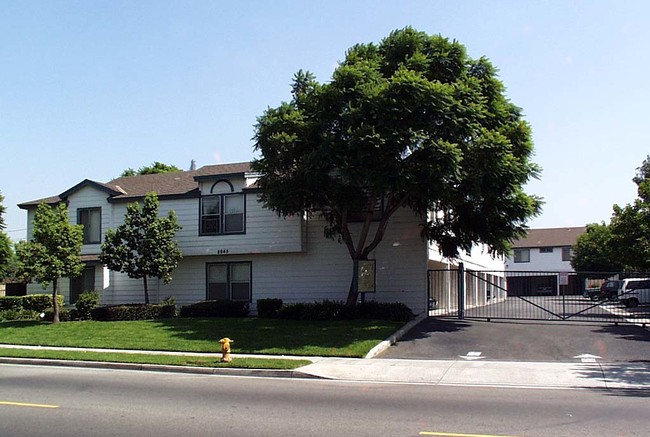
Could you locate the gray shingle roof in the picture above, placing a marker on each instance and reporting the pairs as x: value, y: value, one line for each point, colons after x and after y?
x: 550, y: 237
x: 128, y: 188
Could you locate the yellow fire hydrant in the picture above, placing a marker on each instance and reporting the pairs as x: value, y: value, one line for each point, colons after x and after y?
x: 225, y: 349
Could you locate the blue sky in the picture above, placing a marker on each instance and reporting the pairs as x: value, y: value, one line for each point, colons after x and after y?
x: 90, y: 88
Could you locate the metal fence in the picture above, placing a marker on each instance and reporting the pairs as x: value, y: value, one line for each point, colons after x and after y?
x: 548, y: 296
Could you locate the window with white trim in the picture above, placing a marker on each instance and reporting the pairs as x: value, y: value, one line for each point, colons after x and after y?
x: 229, y: 281
x: 91, y: 219
x: 222, y: 214
x: 521, y: 255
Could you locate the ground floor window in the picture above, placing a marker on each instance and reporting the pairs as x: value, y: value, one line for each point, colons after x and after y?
x: 83, y: 282
x: 229, y: 281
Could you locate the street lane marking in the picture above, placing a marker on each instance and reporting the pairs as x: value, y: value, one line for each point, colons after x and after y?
x: 454, y: 434
x: 23, y: 404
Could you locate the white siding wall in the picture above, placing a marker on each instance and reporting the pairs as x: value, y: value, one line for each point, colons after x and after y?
x: 541, y: 262
x: 478, y: 259
x: 291, y: 259
x: 265, y: 231
x: 88, y: 197
x: 324, y: 271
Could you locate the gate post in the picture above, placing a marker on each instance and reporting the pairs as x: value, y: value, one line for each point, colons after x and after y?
x: 461, y: 291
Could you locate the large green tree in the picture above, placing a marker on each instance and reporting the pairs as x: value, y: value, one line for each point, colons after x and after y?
x: 630, y: 225
x: 409, y: 122
x: 593, y: 252
x: 54, y: 252
x: 143, y: 246
x: 155, y: 168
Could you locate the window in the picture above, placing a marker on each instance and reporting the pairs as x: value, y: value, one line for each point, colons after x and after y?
x: 360, y: 216
x: 229, y: 281
x: 566, y: 254
x: 545, y: 250
x: 83, y: 282
x: 91, y: 219
x: 222, y: 214
x: 522, y: 255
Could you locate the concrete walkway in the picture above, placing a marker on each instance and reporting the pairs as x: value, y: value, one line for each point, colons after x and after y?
x: 432, y: 372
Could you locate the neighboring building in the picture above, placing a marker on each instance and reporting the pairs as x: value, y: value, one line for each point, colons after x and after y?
x: 538, y: 258
x: 234, y: 248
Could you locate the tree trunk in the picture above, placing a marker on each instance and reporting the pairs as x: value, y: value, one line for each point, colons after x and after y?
x: 353, y: 294
x: 146, y: 291
x: 55, y: 302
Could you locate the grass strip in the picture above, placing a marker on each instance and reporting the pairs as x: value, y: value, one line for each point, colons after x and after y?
x: 169, y: 360
x: 349, y: 338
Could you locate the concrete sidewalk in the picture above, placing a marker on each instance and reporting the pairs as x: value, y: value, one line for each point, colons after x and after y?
x: 431, y: 372
x: 486, y: 373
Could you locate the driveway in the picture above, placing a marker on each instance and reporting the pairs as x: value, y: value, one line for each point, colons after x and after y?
x: 453, y: 339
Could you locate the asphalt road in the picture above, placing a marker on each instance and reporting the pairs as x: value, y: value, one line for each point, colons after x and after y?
x: 508, y: 340
x: 67, y: 402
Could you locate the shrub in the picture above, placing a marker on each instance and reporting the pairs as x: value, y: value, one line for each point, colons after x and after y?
x: 115, y: 313
x: 32, y: 302
x: 8, y: 303
x: 87, y: 301
x: 395, y: 311
x: 216, y: 308
x: 65, y: 314
x: 268, y: 308
x: 293, y: 311
x: 20, y: 314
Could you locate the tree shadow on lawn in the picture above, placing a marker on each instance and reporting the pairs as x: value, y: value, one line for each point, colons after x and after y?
x: 273, y: 336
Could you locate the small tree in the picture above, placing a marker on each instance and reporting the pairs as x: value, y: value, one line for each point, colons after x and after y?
x: 2, y: 211
x: 155, y: 168
x: 6, y: 252
x: 593, y: 251
x: 54, y: 252
x: 144, y: 245
x: 630, y: 225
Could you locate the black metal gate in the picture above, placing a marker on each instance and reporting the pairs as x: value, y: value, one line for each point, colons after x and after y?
x: 547, y: 296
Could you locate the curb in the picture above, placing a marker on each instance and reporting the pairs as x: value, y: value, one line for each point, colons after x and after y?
x: 265, y: 373
x: 381, y: 347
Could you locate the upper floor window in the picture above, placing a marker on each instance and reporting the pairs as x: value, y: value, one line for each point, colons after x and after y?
x: 545, y: 250
x: 91, y: 219
x: 222, y: 211
x: 222, y: 214
x: 522, y: 255
x: 360, y: 216
x: 566, y: 254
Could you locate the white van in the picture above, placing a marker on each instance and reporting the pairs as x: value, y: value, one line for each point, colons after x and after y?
x: 634, y: 291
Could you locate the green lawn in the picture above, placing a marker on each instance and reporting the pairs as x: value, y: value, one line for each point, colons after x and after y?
x: 251, y: 335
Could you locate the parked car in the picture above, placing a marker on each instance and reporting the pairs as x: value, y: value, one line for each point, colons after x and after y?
x: 609, y: 289
x: 591, y: 293
x: 634, y: 291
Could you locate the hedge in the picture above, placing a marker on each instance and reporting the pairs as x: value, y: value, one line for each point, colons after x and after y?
x: 114, y: 313
x: 216, y: 308
x: 333, y: 310
x: 32, y: 302
x: 268, y: 308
